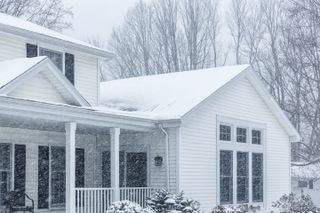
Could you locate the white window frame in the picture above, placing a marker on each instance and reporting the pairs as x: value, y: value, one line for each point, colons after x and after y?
x: 55, y: 51
x: 248, y: 147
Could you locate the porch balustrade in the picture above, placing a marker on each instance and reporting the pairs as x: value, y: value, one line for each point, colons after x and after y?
x: 97, y: 200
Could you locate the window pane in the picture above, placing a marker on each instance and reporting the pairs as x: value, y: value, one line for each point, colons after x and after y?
x: 242, y: 177
x: 56, y: 57
x: 4, y: 171
x: 58, y: 177
x: 20, y: 173
x: 225, y: 133
x: 256, y: 137
x: 257, y: 177
x: 241, y: 135
x: 226, y: 177
x: 43, y: 177
x: 80, y: 168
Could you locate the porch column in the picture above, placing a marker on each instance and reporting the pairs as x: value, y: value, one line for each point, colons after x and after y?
x: 114, y: 141
x: 70, y: 166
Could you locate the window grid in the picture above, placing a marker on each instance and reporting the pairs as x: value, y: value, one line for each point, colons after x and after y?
x: 241, y: 135
x: 226, y: 177
x: 242, y: 177
x: 256, y: 137
x: 257, y: 177
x: 225, y: 132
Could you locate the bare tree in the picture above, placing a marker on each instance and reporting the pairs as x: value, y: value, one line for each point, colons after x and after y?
x: 236, y: 19
x: 48, y: 13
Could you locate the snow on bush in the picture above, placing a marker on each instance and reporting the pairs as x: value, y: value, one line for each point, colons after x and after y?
x: 124, y: 207
x: 163, y: 201
x: 235, y: 209
x: 293, y: 203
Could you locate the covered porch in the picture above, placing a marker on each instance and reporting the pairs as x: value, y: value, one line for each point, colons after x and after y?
x: 78, y: 160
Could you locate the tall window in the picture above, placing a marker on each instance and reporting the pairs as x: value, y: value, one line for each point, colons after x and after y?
x: 225, y: 133
x: 226, y: 177
x: 257, y: 177
x: 4, y: 171
x: 58, y: 176
x: 242, y: 177
x: 56, y: 57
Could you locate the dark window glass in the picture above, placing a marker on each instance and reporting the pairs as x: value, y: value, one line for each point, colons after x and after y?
x: 80, y: 168
x: 43, y: 177
x: 225, y: 133
x: 242, y: 177
x: 58, y: 176
x: 4, y: 172
x: 310, y: 184
x: 32, y: 50
x: 257, y: 177
x: 20, y: 173
x: 256, y: 137
x: 56, y: 57
x: 302, y: 184
x: 136, y: 169
x: 226, y: 177
x: 106, y: 169
x: 69, y: 67
x: 241, y: 135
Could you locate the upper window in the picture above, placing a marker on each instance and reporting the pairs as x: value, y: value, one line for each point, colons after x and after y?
x: 241, y: 135
x: 256, y: 137
x: 225, y: 133
x: 56, y: 57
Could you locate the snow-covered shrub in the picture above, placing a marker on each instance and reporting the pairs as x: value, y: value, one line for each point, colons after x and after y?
x: 163, y: 201
x: 235, y: 209
x: 124, y: 206
x: 297, y: 204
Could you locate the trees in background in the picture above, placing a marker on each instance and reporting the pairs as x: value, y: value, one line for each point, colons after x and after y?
x: 51, y: 14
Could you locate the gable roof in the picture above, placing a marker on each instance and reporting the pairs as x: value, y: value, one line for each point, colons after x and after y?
x: 165, y: 96
x: 14, y: 73
x: 28, y: 29
x: 174, y: 95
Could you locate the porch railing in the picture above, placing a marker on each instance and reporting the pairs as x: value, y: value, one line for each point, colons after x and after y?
x: 97, y: 200
x: 138, y: 195
x: 93, y: 200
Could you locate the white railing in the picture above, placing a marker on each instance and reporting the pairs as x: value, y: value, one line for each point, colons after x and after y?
x: 93, y: 200
x: 138, y: 195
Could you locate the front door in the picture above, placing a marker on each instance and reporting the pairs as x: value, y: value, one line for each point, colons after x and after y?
x: 136, y: 167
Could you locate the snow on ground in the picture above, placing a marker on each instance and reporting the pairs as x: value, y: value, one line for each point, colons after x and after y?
x: 307, y: 172
x: 11, y: 69
x: 164, y: 96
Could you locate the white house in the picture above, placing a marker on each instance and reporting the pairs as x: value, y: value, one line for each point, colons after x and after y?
x: 75, y: 145
x: 306, y: 181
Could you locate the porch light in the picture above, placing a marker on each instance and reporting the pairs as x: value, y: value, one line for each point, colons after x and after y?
x: 158, y: 161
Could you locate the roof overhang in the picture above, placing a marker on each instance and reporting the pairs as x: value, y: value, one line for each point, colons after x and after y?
x: 56, y: 41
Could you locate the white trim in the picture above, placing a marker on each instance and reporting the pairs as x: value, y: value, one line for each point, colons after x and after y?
x: 178, y: 159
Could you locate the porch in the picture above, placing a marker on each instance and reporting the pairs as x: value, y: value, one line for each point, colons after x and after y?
x: 82, y: 166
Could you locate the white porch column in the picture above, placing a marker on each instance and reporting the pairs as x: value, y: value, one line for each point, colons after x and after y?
x: 114, y: 141
x: 70, y: 166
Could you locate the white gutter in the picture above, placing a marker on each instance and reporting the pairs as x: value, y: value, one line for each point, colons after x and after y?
x: 167, y: 156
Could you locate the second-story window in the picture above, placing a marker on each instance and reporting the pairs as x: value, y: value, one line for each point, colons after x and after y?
x: 241, y: 135
x: 225, y: 133
x: 55, y: 56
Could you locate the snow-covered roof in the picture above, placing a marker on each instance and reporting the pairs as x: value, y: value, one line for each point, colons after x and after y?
x: 306, y: 172
x: 165, y: 96
x: 24, y: 28
x: 11, y: 69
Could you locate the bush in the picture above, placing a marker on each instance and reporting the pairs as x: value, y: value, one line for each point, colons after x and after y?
x: 235, y: 209
x: 293, y: 203
x: 124, y: 207
x: 163, y: 201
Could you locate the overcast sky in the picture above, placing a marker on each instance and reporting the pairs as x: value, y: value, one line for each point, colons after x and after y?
x: 96, y: 17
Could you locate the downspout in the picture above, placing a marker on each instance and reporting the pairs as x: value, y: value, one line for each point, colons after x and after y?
x: 167, y: 156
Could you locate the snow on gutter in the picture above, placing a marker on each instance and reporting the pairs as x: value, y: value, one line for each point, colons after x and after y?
x: 66, y: 113
x: 56, y: 41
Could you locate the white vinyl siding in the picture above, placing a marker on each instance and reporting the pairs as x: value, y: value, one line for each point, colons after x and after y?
x: 86, y: 77
x: 11, y: 47
x: 38, y: 88
x: 238, y: 100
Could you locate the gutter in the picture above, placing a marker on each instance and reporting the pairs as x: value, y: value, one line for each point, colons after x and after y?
x: 167, y: 156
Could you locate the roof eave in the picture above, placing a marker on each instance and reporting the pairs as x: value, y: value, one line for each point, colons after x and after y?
x: 52, y: 40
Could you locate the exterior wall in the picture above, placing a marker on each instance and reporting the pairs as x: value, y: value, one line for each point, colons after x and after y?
x: 199, y: 144
x: 38, y: 88
x: 86, y: 66
x: 151, y: 142
x: 314, y: 193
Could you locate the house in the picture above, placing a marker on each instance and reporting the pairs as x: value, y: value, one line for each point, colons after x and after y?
x: 306, y: 181
x: 75, y: 145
